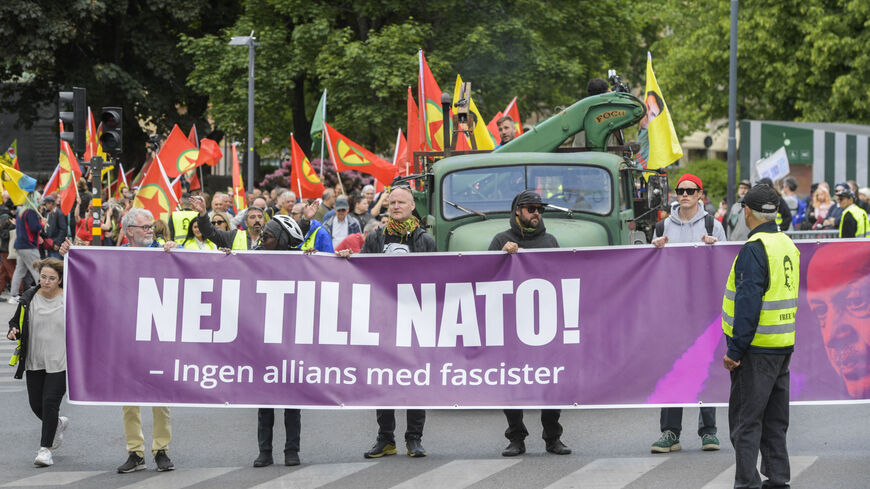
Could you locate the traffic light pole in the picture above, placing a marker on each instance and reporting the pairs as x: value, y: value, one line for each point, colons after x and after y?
x: 96, y: 169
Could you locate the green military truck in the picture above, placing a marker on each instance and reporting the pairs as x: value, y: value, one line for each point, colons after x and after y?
x: 597, y: 195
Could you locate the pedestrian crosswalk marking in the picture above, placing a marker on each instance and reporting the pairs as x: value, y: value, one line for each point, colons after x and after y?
x: 725, y: 480
x: 608, y: 473
x: 314, y: 476
x: 180, y: 478
x: 51, y: 478
x: 457, y: 474
x: 9, y: 380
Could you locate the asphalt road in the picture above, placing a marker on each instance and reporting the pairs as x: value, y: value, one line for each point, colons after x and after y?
x: 213, y: 448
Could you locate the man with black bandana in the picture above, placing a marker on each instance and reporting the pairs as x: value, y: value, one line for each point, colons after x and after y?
x: 280, y: 233
x: 528, y: 231
x: 402, y: 234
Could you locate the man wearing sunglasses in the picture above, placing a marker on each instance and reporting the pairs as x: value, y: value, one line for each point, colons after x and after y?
x: 688, y: 223
x: 853, y: 219
x: 527, y: 231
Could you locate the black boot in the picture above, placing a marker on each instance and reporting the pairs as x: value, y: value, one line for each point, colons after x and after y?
x: 264, y: 459
x: 514, y: 448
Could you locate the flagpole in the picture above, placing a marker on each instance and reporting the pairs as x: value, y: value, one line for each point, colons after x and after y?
x: 332, y: 157
x: 396, y: 152
x: 322, y: 139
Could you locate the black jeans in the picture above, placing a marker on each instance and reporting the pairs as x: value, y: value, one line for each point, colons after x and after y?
x: 516, y: 430
x: 672, y: 419
x: 758, y: 417
x: 416, y: 418
x: 292, y: 426
x: 45, y: 391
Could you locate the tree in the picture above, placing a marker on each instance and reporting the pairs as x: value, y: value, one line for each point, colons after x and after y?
x: 797, y: 60
x: 124, y: 53
x: 365, y: 54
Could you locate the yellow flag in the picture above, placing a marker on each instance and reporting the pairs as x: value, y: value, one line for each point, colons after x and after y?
x: 482, y: 137
x: 664, y: 147
x: 17, y: 184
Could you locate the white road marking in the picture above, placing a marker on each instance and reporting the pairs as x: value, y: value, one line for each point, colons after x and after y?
x: 725, y: 480
x: 457, y: 474
x: 314, y: 476
x: 608, y: 473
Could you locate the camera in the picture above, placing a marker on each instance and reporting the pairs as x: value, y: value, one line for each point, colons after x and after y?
x: 616, y: 83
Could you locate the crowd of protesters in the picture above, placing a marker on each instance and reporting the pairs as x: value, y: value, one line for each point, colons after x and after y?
x: 345, y: 220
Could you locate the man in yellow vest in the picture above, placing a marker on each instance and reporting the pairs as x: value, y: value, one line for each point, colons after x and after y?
x: 853, y: 220
x: 234, y: 239
x: 758, y: 319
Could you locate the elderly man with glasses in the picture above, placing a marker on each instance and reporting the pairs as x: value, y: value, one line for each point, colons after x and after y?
x: 527, y: 231
x: 688, y: 223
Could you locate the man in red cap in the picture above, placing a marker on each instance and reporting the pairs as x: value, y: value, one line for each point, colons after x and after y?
x: 688, y: 223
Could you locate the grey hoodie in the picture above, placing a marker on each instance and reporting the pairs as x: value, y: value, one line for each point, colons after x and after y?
x: 678, y: 231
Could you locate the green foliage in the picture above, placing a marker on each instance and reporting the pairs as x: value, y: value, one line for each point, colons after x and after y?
x: 713, y: 173
x: 801, y: 60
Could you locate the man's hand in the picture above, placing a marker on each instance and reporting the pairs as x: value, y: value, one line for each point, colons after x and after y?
x: 169, y: 245
x: 198, y: 204
x: 64, y: 248
x: 660, y: 242
x: 344, y: 253
x: 510, y: 247
x: 730, y: 364
x: 310, y: 210
x: 707, y: 239
x: 12, y: 334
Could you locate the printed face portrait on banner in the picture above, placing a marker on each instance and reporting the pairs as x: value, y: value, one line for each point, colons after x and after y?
x: 838, y: 290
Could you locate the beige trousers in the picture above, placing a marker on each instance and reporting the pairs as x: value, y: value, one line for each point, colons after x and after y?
x: 161, y: 431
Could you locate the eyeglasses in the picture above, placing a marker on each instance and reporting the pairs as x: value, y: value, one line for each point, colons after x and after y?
x: 531, y: 209
x: 49, y: 278
x: 218, y: 222
x: 689, y: 191
x: 144, y: 227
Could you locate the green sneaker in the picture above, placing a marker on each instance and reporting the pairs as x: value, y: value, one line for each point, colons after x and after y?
x: 668, y: 442
x: 709, y: 443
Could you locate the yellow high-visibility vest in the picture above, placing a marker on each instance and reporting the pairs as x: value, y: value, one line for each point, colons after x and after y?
x: 776, y: 323
x: 860, y: 217
x: 240, y: 241
x: 180, y: 222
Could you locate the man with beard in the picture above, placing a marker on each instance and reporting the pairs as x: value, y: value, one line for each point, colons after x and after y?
x: 507, y: 130
x: 838, y: 289
x: 527, y: 231
x: 235, y: 239
x: 280, y: 233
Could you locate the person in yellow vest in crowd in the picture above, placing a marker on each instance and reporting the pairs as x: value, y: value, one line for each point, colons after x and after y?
x: 180, y: 220
x: 758, y: 319
x: 317, y: 237
x: 853, y: 221
x: 195, y: 240
x: 234, y: 239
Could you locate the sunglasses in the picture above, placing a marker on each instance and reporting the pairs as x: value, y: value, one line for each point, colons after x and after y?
x: 531, y: 209
x: 218, y: 222
x: 689, y: 191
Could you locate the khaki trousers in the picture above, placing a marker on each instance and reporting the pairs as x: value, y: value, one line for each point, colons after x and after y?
x: 161, y: 430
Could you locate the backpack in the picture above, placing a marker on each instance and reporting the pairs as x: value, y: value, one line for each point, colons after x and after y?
x: 708, y: 223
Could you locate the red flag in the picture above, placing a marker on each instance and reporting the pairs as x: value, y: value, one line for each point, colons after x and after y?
x: 68, y: 174
x: 400, y: 158
x: 155, y: 193
x: 514, y: 113
x: 305, y: 179
x: 91, y: 145
x: 142, y: 172
x: 209, y: 153
x: 348, y: 155
x: 177, y: 154
x: 493, y: 126
x: 430, y: 107
x: 238, y: 185
x: 195, y: 184
x: 193, y: 137
x: 415, y: 130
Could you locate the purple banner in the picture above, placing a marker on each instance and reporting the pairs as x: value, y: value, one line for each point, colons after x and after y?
x: 595, y: 327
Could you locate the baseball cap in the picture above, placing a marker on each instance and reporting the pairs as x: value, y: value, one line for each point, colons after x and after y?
x: 845, y: 192
x: 48, y: 198
x: 762, y: 198
x: 527, y: 197
x: 341, y: 203
x: 745, y: 182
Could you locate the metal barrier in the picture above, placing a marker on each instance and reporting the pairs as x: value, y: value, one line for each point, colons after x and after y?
x: 814, y: 234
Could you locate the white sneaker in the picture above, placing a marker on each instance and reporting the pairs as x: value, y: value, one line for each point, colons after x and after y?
x: 62, y: 423
x: 43, y: 458
x: 12, y: 299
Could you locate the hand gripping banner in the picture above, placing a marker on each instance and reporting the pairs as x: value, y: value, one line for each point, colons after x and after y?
x: 598, y: 327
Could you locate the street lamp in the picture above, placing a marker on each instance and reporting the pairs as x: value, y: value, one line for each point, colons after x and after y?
x: 249, y: 41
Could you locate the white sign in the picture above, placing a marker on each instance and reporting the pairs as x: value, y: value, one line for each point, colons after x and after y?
x: 773, y: 167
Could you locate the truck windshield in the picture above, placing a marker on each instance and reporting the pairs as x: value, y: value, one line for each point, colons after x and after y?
x: 491, y: 189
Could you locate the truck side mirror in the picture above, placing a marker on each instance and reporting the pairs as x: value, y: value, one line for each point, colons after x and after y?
x: 657, y: 191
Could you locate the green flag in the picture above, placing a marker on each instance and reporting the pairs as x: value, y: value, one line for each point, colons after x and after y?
x: 317, y: 122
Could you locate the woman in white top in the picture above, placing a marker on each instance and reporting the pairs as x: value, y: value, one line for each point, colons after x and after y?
x: 39, y: 325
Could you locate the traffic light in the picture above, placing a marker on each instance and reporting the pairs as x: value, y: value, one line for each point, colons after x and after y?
x: 75, y: 122
x: 112, y: 136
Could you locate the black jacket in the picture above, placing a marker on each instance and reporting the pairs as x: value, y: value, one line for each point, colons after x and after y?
x: 539, y: 238
x: 21, y: 320
x: 56, y: 229
x: 418, y: 242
